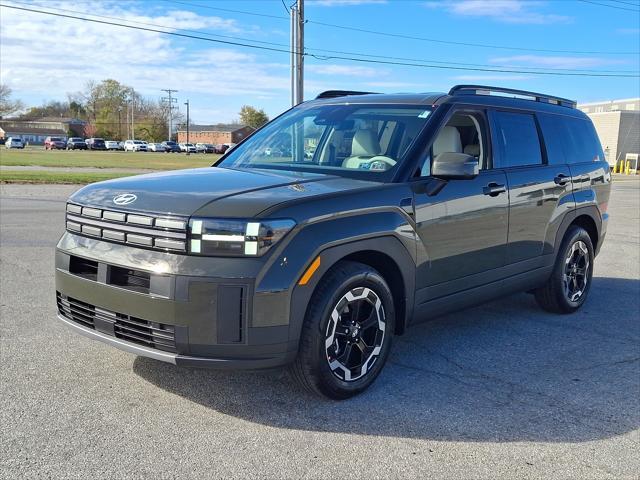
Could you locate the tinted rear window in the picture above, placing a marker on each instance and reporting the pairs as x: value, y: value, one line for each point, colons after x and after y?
x: 570, y: 140
x: 517, y: 139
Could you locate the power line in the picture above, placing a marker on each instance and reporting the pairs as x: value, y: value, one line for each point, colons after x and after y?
x: 610, y: 6
x: 468, y: 44
x: 359, y: 54
x: 411, y: 37
x: 244, y: 12
x: 319, y: 57
x: 626, y: 3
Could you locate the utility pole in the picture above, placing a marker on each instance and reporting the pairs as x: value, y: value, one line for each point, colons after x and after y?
x: 187, y: 104
x: 300, y: 53
x: 294, y: 21
x: 133, y: 107
x: 171, y: 101
x: 297, y: 53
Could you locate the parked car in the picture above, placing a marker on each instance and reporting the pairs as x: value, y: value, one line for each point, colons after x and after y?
x: 188, y: 147
x: 170, y: 146
x: 112, y: 145
x: 220, y: 148
x: 76, y: 143
x: 418, y: 205
x: 12, y: 142
x: 95, y: 144
x: 135, y: 146
x: 229, y: 146
x: 55, y: 143
x: 155, y: 147
x: 205, y: 148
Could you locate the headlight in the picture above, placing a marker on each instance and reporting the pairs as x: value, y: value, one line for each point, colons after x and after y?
x: 227, y: 237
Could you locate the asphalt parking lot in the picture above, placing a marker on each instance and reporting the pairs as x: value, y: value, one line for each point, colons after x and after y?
x: 499, y: 391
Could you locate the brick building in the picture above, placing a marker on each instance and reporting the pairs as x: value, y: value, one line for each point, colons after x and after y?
x: 215, y: 133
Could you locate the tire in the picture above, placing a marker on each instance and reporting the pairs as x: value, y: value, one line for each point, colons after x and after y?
x: 347, y: 289
x: 556, y: 296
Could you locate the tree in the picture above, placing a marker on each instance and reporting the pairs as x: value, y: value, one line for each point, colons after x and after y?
x: 7, y: 105
x: 253, y: 117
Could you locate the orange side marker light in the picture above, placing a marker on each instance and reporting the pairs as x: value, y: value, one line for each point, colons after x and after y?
x: 310, y: 271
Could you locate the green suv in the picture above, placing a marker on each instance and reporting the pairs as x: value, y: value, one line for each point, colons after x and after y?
x: 336, y: 227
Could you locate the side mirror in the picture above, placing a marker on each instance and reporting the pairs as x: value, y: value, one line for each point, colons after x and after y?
x: 455, y: 166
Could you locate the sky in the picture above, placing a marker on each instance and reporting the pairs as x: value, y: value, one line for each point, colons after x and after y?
x: 43, y: 57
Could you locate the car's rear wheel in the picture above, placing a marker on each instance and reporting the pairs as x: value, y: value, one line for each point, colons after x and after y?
x: 569, y: 284
x: 346, y: 336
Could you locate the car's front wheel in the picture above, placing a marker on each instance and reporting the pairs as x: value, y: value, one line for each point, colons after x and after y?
x: 346, y: 336
x: 569, y: 284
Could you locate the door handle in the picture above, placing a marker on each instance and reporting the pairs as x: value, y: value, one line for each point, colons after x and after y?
x: 561, y: 179
x: 494, y: 189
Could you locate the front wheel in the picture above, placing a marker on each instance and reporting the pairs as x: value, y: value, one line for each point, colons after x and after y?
x: 569, y: 284
x: 346, y: 336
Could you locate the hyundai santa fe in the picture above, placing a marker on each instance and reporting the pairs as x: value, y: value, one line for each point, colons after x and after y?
x: 371, y: 212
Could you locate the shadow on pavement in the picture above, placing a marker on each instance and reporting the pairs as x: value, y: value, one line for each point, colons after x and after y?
x: 505, y: 371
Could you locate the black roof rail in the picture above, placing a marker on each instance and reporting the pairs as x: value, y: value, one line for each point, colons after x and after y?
x: 487, y: 90
x: 341, y: 93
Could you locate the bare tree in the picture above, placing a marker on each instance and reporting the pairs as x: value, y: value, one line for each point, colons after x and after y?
x: 7, y: 105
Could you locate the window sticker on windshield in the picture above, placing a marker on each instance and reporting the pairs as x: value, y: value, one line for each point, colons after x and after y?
x: 424, y: 114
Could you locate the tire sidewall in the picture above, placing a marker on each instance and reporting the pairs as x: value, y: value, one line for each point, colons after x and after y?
x: 321, y: 316
x: 576, y: 234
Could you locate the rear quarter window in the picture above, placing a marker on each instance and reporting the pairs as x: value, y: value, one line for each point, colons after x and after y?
x: 570, y: 140
x: 516, y: 136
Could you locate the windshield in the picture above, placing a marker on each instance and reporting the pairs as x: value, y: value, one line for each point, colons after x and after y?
x: 366, y: 140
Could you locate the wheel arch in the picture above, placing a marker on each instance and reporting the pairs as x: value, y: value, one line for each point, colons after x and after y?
x: 386, y: 254
x: 586, y: 217
x: 586, y: 221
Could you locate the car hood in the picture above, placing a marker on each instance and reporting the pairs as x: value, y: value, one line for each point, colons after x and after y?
x: 200, y: 191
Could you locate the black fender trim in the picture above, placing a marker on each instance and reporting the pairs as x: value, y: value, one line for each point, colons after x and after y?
x: 387, y: 245
x: 592, y: 212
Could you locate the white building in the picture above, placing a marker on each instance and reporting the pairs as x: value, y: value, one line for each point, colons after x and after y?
x: 618, y: 125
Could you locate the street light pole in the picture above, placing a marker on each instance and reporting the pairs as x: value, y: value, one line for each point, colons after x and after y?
x: 187, y: 104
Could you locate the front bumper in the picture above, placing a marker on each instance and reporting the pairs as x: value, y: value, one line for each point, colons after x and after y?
x: 174, y: 308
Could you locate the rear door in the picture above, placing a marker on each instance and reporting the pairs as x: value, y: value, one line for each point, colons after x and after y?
x: 540, y: 190
x: 584, y: 156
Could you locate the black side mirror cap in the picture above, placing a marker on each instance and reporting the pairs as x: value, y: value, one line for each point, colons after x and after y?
x: 455, y: 166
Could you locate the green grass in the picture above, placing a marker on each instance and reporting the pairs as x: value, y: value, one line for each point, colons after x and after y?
x: 38, y: 156
x: 39, y: 176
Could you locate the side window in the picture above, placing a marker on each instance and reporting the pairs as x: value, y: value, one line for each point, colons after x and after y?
x: 570, y: 140
x: 582, y: 144
x: 517, y: 139
x: 465, y: 132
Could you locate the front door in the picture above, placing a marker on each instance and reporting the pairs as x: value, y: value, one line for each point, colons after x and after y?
x: 462, y: 224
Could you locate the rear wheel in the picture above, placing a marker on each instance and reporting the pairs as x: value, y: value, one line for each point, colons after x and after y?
x: 569, y: 284
x: 346, y: 336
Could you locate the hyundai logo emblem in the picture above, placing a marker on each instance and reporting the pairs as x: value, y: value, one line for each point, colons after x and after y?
x: 124, y: 199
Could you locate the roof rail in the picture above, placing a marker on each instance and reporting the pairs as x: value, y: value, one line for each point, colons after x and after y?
x: 486, y: 90
x: 341, y: 93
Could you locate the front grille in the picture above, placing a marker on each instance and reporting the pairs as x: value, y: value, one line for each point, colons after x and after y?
x: 132, y: 329
x: 146, y: 231
x: 80, y: 312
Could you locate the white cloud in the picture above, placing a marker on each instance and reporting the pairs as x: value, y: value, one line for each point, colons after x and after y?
x: 507, y: 11
x: 47, y: 57
x: 555, y: 61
